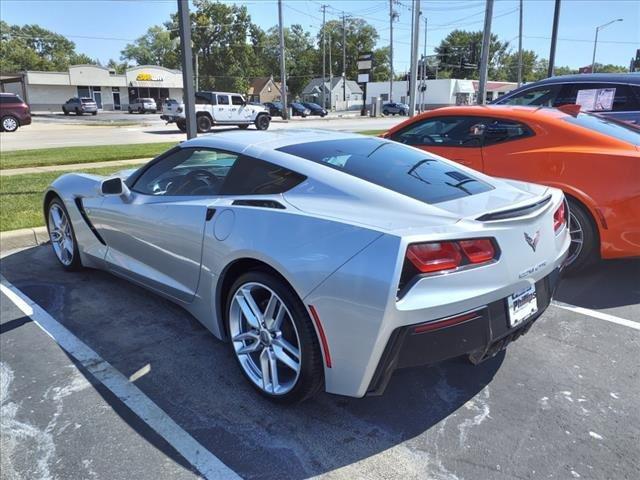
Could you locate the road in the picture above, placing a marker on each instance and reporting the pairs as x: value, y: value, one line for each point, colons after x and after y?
x: 562, y: 402
x: 71, y: 131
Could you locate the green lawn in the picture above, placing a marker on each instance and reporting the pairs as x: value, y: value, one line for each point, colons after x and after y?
x: 21, y: 197
x: 68, y: 155
x: 371, y: 132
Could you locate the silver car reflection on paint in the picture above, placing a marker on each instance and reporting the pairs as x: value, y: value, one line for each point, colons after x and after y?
x: 327, y: 260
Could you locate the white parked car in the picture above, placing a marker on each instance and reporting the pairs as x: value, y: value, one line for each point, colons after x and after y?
x: 143, y: 105
x: 219, y: 108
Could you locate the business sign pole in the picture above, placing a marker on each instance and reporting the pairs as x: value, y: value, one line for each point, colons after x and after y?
x: 365, y: 64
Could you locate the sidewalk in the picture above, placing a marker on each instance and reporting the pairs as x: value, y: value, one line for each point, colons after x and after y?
x: 71, y: 166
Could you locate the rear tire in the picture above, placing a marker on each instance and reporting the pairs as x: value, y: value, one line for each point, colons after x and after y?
x: 9, y: 123
x: 204, y: 123
x: 262, y: 122
x: 94, y: 113
x: 296, y: 328
x: 585, y: 242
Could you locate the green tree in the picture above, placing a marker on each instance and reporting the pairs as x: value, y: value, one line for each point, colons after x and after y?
x: 156, y: 47
x: 300, y: 56
x: 381, y: 64
x: 459, y: 54
x: 228, y: 45
x: 508, y: 68
x: 31, y: 47
x: 360, y: 37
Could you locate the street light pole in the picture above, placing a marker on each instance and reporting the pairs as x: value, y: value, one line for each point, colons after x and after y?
x: 595, y: 42
x: 554, y: 39
x: 520, y: 48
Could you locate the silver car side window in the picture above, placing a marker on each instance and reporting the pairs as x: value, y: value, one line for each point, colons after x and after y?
x: 187, y: 172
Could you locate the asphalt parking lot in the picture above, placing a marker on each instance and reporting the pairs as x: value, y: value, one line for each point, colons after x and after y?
x: 562, y: 402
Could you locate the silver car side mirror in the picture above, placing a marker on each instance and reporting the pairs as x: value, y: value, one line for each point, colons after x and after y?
x: 114, y: 187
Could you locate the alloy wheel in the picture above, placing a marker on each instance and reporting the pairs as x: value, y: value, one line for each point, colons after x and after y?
x: 577, y: 238
x: 61, y: 235
x: 9, y: 124
x: 265, y: 338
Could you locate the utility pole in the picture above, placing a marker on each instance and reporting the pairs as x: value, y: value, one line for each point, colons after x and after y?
x: 283, y: 71
x: 187, y: 67
x: 554, y: 39
x: 423, y: 86
x: 392, y: 16
x: 484, y: 55
x: 330, y: 77
x: 324, y: 58
x: 414, y: 57
x: 520, y: 48
x: 344, y: 61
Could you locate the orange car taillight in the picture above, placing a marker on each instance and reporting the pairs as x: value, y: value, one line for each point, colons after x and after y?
x: 560, y: 217
x: 432, y: 257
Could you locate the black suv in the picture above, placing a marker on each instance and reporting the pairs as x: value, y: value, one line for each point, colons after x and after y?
x: 614, y: 96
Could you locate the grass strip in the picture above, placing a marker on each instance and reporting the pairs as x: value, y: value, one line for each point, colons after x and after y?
x: 68, y: 155
x: 21, y: 197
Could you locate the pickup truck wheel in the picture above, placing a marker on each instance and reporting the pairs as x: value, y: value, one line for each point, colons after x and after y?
x: 65, y: 111
x: 262, y: 122
x: 243, y: 127
x: 182, y: 126
x: 204, y: 124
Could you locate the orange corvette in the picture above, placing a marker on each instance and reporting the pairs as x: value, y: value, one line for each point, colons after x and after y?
x: 596, y: 162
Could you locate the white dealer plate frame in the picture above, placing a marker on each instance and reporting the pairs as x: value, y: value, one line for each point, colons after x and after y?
x: 522, y: 305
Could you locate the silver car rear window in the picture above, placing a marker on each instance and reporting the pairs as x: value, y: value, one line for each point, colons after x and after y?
x: 397, y: 167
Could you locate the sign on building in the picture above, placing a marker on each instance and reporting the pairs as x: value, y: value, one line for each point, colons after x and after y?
x: 365, y: 64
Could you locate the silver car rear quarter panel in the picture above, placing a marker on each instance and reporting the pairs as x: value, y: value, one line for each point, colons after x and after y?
x: 359, y: 309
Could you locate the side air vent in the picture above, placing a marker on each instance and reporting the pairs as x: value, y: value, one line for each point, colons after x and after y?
x: 514, y: 212
x: 85, y: 217
x: 260, y: 203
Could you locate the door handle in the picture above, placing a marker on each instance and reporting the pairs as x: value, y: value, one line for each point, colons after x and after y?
x: 210, y: 213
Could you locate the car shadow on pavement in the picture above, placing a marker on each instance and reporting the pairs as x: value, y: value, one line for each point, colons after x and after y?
x: 177, y: 130
x: 194, y: 379
x: 608, y: 284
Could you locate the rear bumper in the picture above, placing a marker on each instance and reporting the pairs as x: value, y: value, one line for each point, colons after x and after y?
x: 486, y: 333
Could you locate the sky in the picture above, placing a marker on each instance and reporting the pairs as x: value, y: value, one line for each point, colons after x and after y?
x: 101, y: 28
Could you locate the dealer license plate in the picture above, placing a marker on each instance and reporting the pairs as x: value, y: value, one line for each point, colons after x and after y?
x: 522, y: 305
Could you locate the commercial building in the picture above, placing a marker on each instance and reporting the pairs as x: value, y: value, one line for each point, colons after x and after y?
x: 438, y: 93
x: 47, y: 91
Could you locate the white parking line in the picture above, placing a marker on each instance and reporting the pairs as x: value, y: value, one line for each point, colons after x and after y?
x: 204, y: 461
x: 599, y: 315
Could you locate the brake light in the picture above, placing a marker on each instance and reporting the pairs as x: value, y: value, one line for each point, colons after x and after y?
x: 478, y: 250
x: 434, y: 256
x: 559, y: 217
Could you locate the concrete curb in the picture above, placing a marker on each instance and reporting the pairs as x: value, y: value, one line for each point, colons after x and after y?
x: 25, y: 237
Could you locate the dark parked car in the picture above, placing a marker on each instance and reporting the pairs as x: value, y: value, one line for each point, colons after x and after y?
x: 275, y: 108
x: 614, y: 96
x: 14, y: 112
x: 80, y: 106
x: 315, y: 109
x: 394, y: 108
x: 299, y: 110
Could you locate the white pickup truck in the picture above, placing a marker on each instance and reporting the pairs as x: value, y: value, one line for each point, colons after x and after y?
x: 219, y: 108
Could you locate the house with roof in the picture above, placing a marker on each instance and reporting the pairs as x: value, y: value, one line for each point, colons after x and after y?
x: 264, y: 89
x: 339, y: 94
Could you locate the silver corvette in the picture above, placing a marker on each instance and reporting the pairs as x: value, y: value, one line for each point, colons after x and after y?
x: 326, y: 260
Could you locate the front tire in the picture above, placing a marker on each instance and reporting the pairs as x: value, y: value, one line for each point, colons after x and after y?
x: 385, y: 112
x: 273, y: 339
x: 585, y: 243
x: 9, y: 123
x: 262, y: 122
x: 182, y: 126
x: 65, y: 111
x: 62, y: 236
